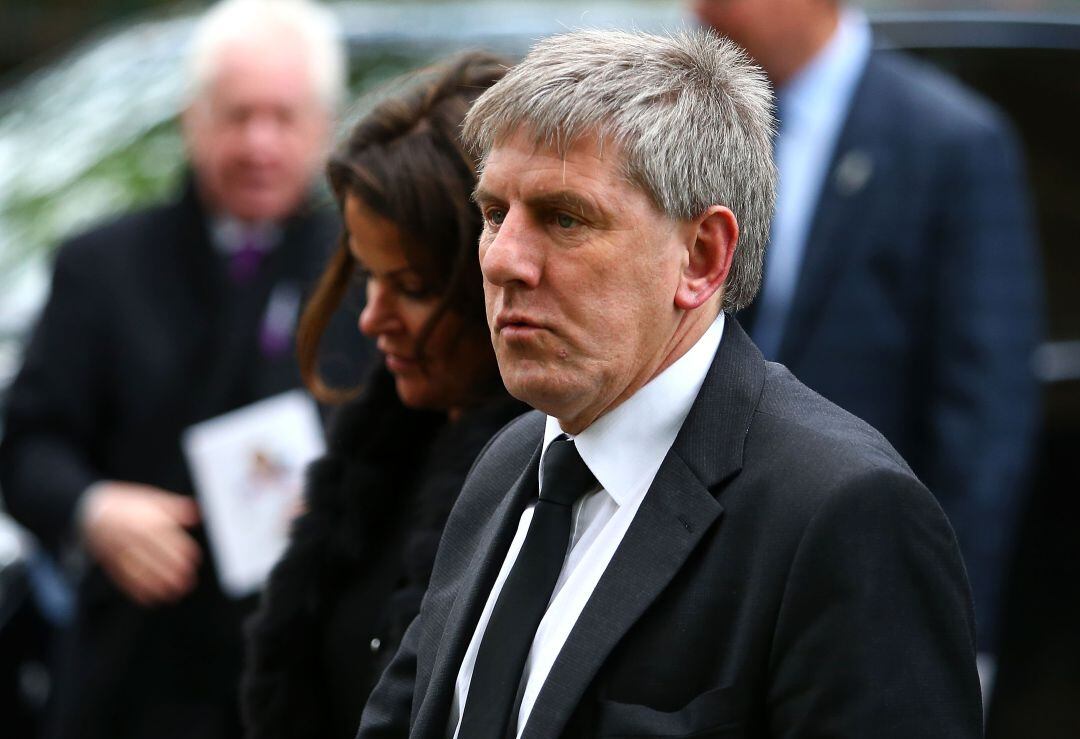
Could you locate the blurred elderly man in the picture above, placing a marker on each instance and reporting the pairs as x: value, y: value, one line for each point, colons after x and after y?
x: 157, y: 321
x: 901, y: 276
x: 683, y: 540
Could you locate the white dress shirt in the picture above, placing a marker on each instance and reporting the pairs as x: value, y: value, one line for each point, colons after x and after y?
x: 623, y: 449
x: 813, y: 106
x: 229, y: 235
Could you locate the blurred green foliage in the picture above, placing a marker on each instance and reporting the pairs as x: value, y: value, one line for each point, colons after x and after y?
x: 144, y: 170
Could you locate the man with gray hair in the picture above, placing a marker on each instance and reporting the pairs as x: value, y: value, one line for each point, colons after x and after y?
x: 157, y: 321
x: 683, y: 540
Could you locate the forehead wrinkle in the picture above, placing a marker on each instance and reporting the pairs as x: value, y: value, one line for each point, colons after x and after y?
x: 582, y: 190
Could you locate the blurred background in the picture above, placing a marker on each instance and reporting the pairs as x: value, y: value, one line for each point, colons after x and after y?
x: 87, y: 94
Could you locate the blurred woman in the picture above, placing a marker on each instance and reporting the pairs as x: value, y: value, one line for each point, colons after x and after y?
x: 360, y: 556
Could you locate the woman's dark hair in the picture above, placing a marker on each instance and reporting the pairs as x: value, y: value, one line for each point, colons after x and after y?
x: 405, y: 161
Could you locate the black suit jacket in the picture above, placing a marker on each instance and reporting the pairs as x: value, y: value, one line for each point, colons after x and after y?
x: 785, y: 576
x: 918, y: 303
x: 143, y: 336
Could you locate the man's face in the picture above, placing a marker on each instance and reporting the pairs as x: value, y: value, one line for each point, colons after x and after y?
x: 257, y: 134
x: 781, y: 35
x: 580, y: 273
x: 759, y: 26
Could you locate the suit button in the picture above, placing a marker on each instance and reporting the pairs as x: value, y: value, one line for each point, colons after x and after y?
x: 376, y: 644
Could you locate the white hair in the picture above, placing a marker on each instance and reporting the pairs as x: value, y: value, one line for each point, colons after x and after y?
x: 266, y: 23
x: 691, y: 114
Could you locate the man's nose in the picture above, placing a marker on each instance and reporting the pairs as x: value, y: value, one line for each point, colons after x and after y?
x: 262, y: 134
x: 514, y: 253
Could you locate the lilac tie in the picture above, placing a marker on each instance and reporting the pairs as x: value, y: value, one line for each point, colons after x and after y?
x: 245, y: 262
x: 278, y: 322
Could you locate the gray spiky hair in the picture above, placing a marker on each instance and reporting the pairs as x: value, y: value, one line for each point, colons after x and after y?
x: 690, y: 113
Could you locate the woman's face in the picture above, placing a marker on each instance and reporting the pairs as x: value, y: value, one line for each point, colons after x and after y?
x: 458, y: 365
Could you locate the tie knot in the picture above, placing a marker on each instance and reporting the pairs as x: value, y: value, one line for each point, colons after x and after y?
x: 245, y: 261
x: 566, y: 477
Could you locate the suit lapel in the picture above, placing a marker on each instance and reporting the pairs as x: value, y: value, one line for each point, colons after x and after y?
x: 846, y: 211
x: 677, y: 510
x: 200, y: 299
x: 489, y: 553
x: 680, y: 506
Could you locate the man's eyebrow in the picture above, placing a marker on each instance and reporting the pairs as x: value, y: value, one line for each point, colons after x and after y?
x: 568, y: 199
x: 565, y: 199
x: 480, y: 195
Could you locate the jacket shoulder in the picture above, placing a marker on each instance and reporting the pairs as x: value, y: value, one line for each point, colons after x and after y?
x: 800, y: 432
x: 808, y: 460
x: 112, y: 240
x: 916, y: 90
x: 500, y: 462
x: 498, y: 466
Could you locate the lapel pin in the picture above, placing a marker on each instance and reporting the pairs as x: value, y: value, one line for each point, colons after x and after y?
x: 853, y: 172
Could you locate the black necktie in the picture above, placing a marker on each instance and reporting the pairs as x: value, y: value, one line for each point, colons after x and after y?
x: 525, y: 594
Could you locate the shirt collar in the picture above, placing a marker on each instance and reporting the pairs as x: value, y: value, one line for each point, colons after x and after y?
x: 625, y: 447
x: 230, y: 235
x: 826, y: 84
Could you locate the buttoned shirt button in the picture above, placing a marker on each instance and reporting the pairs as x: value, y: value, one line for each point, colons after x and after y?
x: 376, y: 645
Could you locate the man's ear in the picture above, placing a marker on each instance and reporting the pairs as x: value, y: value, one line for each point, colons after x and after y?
x: 708, y: 257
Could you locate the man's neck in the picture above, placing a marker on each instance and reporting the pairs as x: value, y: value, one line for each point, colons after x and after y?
x: 688, y: 333
x: 786, y: 60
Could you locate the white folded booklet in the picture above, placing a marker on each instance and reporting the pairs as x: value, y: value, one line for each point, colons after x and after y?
x: 248, y: 468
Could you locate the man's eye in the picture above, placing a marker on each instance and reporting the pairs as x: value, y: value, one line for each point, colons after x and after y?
x: 565, y: 220
x: 496, y: 216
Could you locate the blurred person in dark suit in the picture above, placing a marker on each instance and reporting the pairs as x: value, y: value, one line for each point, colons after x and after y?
x: 156, y: 321
x: 901, y: 274
x: 360, y: 556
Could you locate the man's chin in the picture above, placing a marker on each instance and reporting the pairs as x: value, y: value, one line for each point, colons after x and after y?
x: 263, y: 206
x: 538, y: 388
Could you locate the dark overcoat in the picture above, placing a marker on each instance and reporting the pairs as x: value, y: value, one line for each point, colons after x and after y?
x: 142, y: 336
